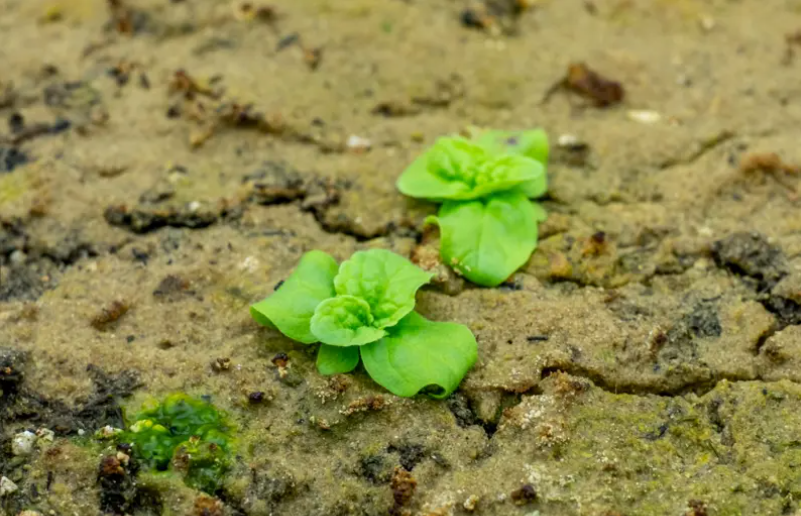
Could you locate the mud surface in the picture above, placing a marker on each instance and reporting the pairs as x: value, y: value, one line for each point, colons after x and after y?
x: 163, y: 164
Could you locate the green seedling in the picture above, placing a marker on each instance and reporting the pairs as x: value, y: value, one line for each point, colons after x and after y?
x: 183, y: 435
x: 364, y: 309
x: 487, y: 221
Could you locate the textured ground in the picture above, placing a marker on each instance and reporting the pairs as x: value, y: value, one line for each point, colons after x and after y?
x: 166, y: 163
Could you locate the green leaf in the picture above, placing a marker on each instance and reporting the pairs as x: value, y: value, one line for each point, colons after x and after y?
x: 387, y: 281
x: 505, y: 173
x: 344, y: 321
x: 458, y: 169
x: 336, y: 359
x: 292, y: 306
x: 419, y: 354
x: 442, y: 172
x: 532, y: 144
x: 488, y: 240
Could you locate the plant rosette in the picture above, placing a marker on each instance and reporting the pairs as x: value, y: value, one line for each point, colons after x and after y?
x: 488, y: 223
x: 364, y: 309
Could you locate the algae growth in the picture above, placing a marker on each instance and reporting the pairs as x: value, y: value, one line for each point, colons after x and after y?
x: 184, y: 435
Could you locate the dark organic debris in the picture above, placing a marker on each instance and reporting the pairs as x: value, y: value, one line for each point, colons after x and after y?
x: 101, y: 408
x: 275, y: 182
x: 124, y: 19
x: 287, y: 41
x: 770, y: 164
x: 16, y: 123
x: 206, y: 505
x: 443, y: 93
x: 267, y: 489
x: 188, y: 87
x: 11, y: 158
x: 312, y: 57
x: 115, y: 477
x: 697, y: 508
x: 680, y: 342
x: 524, y: 495
x: 537, y: 338
x: 71, y: 95
x: 703, y: 321
x: 144, y: 221
x: 22, y: 283
x: 497, y: 16
x: 459, y: 406
x: 791, y: 42
x: 109, y: 315
x: 409, y: 455
x: 403, y: 486
x: 172, y: 288
x: 787, y: 311
x: 256, y: 397
x: 24, y: 132
x: 750, y: 254
x: 280, y: 360
x: 122, y: 71
x: 12, y: 372
x: 589, y: 84
x: 221, y: 364
x: 249, y: 10
x: 373, y: 468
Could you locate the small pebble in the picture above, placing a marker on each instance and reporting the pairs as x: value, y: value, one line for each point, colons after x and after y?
x: 23, y: 442
x: 707, y: 23
x: 256, y: 397
x: 471, y: 503
x: 569, y: 141
x: 644, y: 116
x: 7, y: 486
x: 358, y: 144
x: 17, y: 257
x: 107, y: 432
x: 45, y: 434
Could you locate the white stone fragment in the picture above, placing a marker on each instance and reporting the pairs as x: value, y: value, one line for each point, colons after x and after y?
x: 23, y: 442
x: 7, y: 486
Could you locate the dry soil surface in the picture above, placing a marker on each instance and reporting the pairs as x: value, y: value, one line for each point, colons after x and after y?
x: 165, y: 163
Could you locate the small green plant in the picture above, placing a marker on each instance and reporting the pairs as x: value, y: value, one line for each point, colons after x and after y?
x: 488, y: 224
x: 364, y: 308
x: 184, y: 435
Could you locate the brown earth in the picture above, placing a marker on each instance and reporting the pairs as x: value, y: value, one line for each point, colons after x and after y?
x: 167, y: 162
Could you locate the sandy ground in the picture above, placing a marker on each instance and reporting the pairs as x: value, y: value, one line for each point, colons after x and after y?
x: 166, y: 163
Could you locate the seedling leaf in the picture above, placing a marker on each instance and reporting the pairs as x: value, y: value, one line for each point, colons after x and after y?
x: 420, y: 354
x: 489, y: 239
x: 291, y: 307
x: 337, y: 359
x: 532, y: 144
x: 458, y: 169
x: 386, y: 281
x: 344, y: 321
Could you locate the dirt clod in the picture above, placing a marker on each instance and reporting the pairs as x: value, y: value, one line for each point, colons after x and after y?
x: 403, y: 486
x: 524, y: 495
x: 11, y: 158
x: 171, y: 288
x: 589, y: 84
x: 221, y: 364
x: 208, y: 506
x: 12, y: 370
x: 750, y: 254
x: 110, y: 314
